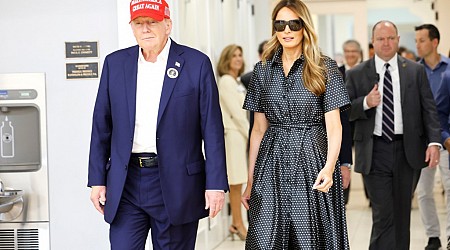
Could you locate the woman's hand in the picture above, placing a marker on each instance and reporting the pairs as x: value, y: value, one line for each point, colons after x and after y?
x: 324, y: 179
x: 246, y: 196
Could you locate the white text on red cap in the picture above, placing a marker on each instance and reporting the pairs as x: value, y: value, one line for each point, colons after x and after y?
x: 145, y: 6
x: 153, y: 1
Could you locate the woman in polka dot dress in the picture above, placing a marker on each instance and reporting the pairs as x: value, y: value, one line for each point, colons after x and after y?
x: 294, y: 190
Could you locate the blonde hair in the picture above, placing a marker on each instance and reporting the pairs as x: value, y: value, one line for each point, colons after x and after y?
x: 223, y: 66
x: 314, y: 70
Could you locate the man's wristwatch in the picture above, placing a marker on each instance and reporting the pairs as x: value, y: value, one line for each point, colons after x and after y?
x: 347, y: 165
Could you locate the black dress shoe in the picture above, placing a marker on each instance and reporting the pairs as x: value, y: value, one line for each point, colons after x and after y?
x: 433, y: 243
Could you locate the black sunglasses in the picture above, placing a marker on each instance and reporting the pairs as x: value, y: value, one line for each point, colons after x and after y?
x: 294, y: 25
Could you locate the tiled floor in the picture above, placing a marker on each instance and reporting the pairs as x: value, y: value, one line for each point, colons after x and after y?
x: 359, y: 220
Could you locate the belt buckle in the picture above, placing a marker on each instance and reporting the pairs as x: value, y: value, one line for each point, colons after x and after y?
x: 140, y: 161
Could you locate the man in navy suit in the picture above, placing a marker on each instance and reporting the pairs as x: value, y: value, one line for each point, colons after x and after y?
x: 443, y: 107
x: 157, y: 111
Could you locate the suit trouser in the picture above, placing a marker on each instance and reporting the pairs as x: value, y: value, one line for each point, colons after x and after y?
x: 347, y: 194
x: 389, y: 185
x: 141, y: 209
x: 425, y: 196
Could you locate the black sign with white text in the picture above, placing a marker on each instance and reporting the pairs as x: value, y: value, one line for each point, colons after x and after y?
x: 82, y: 70
x: 81, y: 49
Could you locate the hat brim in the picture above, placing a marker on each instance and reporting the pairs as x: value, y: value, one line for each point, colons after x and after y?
x: 155, y: 15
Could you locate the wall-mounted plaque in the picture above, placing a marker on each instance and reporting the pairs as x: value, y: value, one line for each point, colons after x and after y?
x: 81, y: 49
x: 82, y: 70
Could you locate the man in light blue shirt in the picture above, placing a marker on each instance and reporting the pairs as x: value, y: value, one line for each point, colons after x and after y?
x: 427, y: 41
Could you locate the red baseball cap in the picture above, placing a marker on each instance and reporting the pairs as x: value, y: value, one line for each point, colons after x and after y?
x: 156, y: 9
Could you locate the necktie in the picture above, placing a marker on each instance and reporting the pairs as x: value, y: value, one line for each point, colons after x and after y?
x: 387, y: 129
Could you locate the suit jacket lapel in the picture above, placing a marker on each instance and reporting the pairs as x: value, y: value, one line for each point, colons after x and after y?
x: 372, y: 75
x: 403, y: 74
x: 130, y: 67
x: 174, y: 66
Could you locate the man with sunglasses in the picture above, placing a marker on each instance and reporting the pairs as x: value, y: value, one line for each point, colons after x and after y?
x: 157, y: 108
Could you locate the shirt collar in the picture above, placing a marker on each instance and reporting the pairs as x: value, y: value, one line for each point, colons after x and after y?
x: 443, y: 61
x: 348, y: 67
x: 379, y: 63
x: 163, y: 55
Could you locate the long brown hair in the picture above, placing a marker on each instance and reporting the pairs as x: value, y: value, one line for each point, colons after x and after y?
x: 223, y: 66
x: 314, y: 70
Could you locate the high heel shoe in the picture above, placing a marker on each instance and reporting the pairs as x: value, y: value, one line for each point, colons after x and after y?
x: 234, y: 230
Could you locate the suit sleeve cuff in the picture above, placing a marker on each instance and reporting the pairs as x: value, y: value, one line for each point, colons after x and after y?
x: 365, y: 106
x: 435, y: 144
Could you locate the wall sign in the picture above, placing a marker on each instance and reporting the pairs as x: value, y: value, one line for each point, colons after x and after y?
x: 81, y: 49
x: 82, y: 70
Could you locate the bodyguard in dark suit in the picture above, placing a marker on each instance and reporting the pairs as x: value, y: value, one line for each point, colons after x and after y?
x: 353, y: 56
x: 156, y: 103
x: 396, y: 132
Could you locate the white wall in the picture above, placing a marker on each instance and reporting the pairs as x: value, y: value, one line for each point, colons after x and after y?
x: 443, y: 24
x: 337, y: 23
x: 33, y: 40
x: 406, y: 14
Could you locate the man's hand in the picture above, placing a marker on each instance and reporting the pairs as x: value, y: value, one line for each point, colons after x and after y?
x: 214, y: 201
x: 374, y: 97
x: 432, y: 156
x: 98, y: 197
x: 346, y: 176
x: 447, y: 144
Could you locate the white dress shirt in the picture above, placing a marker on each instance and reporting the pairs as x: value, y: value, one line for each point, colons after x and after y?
x: 393, y: 69
x: 398, y: 120
x: 150, y: 78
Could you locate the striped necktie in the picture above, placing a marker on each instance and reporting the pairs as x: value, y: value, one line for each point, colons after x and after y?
x: 387, y: 129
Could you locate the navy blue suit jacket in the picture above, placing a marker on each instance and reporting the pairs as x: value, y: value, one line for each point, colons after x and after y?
x: 345, y: 155
x: 443, y: 105
x: 189, y: 114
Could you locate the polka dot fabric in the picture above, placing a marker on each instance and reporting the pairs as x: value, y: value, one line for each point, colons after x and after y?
x: 285, y: 212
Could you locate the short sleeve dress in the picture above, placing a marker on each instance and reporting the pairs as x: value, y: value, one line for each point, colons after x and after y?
x: 285, y: 212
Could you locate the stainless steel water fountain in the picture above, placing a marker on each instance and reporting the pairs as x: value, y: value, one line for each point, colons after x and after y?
x: 24, y: 206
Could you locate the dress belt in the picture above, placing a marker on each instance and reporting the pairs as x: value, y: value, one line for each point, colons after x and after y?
x: 294, y: 125
x: 144, y: 160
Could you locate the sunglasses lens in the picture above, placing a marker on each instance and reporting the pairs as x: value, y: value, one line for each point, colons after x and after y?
x: 295, y: 25
x: 279, y: 25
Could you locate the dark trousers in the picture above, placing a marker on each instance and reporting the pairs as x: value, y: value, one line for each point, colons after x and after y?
x: 346, y: 194
x: 389, y: 185
x: 141, y: 209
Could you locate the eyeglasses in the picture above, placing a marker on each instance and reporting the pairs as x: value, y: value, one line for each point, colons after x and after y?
x: 294, y: 25
x: 351, y: 51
